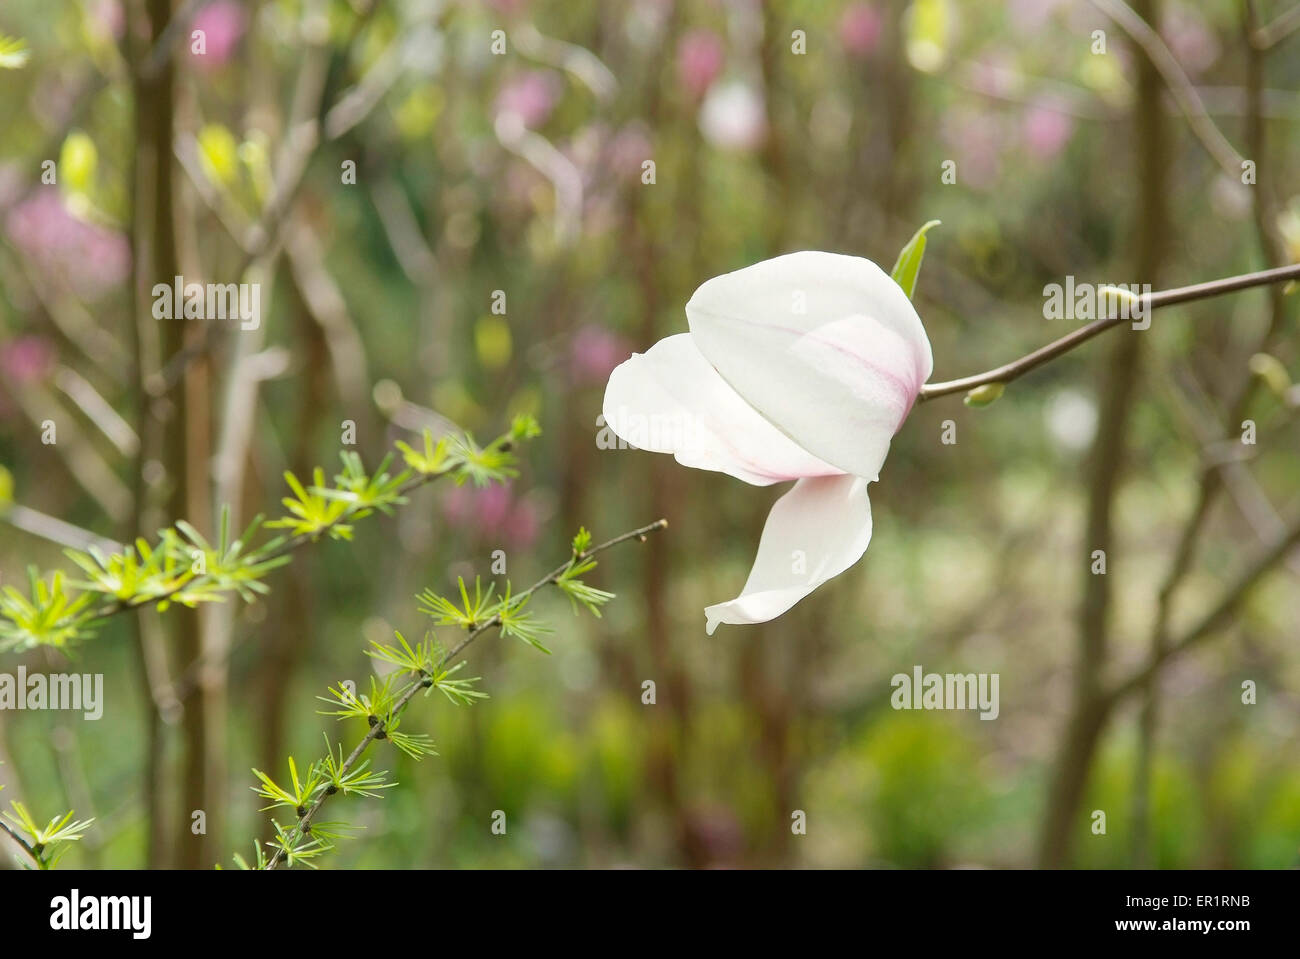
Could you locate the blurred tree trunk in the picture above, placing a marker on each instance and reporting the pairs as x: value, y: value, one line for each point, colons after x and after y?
x: 654, y: 279
x: 290, y: 609
x: 143, y: 335
x: 1092, y: 705
x: 156, y: 262
x: 664, y: 752
x: 897, y: 183
x: 177, y: 420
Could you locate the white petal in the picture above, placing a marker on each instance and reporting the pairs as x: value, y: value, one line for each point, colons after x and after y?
x: 827, y: 347
x: 814, y: 532
x: 670, y: 400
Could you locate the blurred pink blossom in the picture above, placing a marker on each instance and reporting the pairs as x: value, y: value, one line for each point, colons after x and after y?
x: 222, y: 23
x: 24, y: 359
x: 530, y: 96
x: 1046, y: 130
x: 90, y: 258
x: 593, y: 354
x: 492, y: 514
x: 976, y: 141
x: 629, y: 148
x: 699, y: 60
x: 860, y: 29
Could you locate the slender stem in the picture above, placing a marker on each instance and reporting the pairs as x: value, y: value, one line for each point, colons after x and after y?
x: 55, y: 530
x: 288, y: 546
x: 1150, y: 301
x: 304, y: 822
x: 27, y: 847
x: 168, y: 41
x: 303, y: 139
x: 552, y: 576
x: 1214, y: 618
x: 1274, y: 33
x: 1179, y: 84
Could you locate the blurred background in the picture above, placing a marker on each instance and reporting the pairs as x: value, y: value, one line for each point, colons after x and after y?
x: 383, y: 171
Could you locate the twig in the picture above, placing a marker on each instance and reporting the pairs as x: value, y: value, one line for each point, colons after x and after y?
x: 27, y: 847
x: 1212, y: 481
x: 171, y: 37
x: 1065, y: 98
x: 263, y: 236
x: 1184, y: 294
x: 288, y: 546
x: 97, y: 409
x: 1190, y: 401
x: 54, y: 529
x: 304, y: 822
x: 91, y: 471
x: 552, y: 576
x: 355, y: 104
x: 570, y: 57
x: 325, y: 304
x: 1278, y: 30
x: 423, y: 266
x: 1213, y: 619
x: 1145, y: 36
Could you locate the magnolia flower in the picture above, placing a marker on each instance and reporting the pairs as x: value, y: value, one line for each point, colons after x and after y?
x: 799, y: 368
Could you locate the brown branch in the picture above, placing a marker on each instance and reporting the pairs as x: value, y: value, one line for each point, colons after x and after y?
x: 1184, y: 93
x: 263, y: 236
x: 1215, y: 618
x: 172, y: 36
x: 1212, y: 481
x: 1152, y: 301
x: 1089, y: 714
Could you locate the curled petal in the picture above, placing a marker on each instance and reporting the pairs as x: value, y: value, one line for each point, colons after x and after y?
x: 827, y: 347
x: 670, y: 400
x: 816, y: 531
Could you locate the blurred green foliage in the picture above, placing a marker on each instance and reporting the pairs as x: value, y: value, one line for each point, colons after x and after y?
x: 975, y: 564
